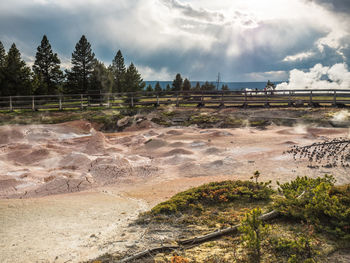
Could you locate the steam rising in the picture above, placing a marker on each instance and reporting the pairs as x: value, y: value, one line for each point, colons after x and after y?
x: 341, y: 116
x: 318, y: 77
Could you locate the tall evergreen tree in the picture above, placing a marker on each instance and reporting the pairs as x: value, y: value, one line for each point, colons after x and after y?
x: 2, y: 55
x: 119, y: 70
x: 157, y: 87
x: 197, y: 87
x: 149, y: 88
x: 16, y: 74
x: 168, y: 88
x: 83, y: 60
x: 47, y: 69
x: 186, y: 85
x: 2, y: 65
x: 101, y: 79
x: 133, y: 80
x: 177, y: 83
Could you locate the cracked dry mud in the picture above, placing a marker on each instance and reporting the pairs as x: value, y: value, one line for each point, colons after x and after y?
x: 68, y: 193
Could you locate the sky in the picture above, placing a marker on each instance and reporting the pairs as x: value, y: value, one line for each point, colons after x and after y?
x: 244, y: 40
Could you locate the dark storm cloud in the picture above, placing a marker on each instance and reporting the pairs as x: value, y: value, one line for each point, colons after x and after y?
x: 199, y: 64
x: 170, y: 36
x: 342, y: 6
x: 189, y: 11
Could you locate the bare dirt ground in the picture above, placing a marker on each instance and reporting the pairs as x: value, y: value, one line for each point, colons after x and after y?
x: 68, y: 192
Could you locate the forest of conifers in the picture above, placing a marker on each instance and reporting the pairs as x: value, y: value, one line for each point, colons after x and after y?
x: 87, y: 74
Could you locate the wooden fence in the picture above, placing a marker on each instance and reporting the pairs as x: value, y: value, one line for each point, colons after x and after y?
x: 279, y: 98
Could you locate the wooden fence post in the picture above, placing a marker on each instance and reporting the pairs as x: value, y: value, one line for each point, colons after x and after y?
x: 108, y: 105
x: 310, y: 103
x: 11, y: 107
x: 177, y: 99
x: 132, y: 101
x: 335, y: 98
x: 245, y: 98
x: 81, y: 102
x: 33, y: 104
x: 289, y: 98
x: 60, y: 102
x: 157, y: 99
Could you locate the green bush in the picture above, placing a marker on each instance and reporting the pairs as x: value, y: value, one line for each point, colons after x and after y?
x: 214, y: 193
x: 300, y: 249
x: 253, y: 232
x: 321, y: 204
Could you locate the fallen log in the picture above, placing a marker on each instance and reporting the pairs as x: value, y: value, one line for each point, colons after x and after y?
x: 196, y: 240
x: 218, y: 233
x: 201, y: 239
x: 148, y: 252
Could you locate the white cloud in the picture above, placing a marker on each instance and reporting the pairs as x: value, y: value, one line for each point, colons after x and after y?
x: 151, y: 74
x: 269, y: 75
x: 299, y: 56
x: 318, y: 77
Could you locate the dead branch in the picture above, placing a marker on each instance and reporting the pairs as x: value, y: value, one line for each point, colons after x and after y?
x: 196, y: 240
x: 149, y: 252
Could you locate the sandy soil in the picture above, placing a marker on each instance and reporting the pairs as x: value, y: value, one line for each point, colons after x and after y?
x: 68, y: 192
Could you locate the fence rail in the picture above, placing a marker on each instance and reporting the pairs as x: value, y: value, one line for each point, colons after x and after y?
x: 279, y: 98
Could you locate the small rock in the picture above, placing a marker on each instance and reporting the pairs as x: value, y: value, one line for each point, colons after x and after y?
x: 123, y: 122
x: 130, y: 246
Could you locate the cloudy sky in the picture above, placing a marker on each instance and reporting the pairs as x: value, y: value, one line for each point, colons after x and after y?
x: 244, y: 40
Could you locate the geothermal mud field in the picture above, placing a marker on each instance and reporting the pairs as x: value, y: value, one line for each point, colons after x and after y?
x: 68, y: 193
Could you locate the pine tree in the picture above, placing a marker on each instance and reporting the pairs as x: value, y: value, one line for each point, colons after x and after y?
x: 83, y: 60
x: 197, y: 87
x: 157, y: 87
x: 208, y: 86
x: 254, y: 232
x: 224, y: 87
x: 133, y: 80
x: 101, y: 79
x: 16, y: 79
x: 186, y: 85
x: 119, y: 71
x: 149, y: 88
x: 2, y: 65
x: 47, y: 69
x: 2, y: 55
x: 168, y: 88
x: 177, y: 83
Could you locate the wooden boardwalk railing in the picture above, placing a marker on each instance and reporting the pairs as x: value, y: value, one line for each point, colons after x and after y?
x: 280, y: 98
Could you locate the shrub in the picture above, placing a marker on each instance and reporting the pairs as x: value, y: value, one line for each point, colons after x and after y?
x: 253, y: 233
x: 300, y: 249
x: 321, y: 204
x: 214, y: 193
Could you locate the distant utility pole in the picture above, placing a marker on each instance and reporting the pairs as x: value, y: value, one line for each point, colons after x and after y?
x: 218, y: 82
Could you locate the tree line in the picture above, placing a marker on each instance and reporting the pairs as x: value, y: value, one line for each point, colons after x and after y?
x: 87, y: 74
x: 185, y: 85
